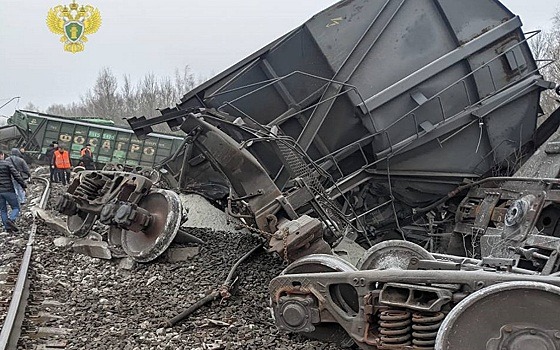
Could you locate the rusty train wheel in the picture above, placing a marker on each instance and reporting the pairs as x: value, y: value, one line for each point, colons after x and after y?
x: 345, y: 295
x: 511, y: 315
x: 147, y: 245
x: 81, y: 223
x: 393, y: 254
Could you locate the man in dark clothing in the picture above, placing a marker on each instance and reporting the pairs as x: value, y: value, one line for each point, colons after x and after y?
x: 16, y: 159
x: 8, y: 194
x: 87, y: 158
x: 49, y: 156
x: 28, y: 159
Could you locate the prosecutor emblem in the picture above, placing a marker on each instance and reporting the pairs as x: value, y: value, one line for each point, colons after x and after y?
x: 73, y: 22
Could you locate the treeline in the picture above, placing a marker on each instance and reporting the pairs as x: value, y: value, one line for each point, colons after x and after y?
x: 545, y: 47
x: 109, y: 98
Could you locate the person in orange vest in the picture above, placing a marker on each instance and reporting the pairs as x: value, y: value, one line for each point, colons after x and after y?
x: 87, y: 158
x: 62, y: 164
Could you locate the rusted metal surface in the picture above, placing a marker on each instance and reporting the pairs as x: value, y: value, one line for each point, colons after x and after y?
x: 506, y: 325
x: 376, y: 293
x: 144, y: 220
x: 151, y: 232
x: 298, y: 238
x: 510, y: 218
x: 507, y: 241
x: 392, y: 255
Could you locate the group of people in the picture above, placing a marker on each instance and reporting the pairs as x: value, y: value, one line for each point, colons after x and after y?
x: 14, y: 173
x: 60, y: 164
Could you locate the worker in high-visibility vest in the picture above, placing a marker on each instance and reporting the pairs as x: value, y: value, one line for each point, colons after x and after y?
x: 62, y: 164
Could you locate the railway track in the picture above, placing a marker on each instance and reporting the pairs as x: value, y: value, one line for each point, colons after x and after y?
x: 16, y: 288
x: 79, y: 302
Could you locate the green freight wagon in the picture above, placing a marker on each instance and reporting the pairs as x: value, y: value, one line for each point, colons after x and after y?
x: 109, y: 144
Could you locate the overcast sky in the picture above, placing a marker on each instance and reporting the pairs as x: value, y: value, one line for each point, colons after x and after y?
x: 143, y: 36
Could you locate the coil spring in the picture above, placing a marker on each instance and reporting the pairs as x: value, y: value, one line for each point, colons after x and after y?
x: 394, y: 329
x: 89, y: 186
x: 425, y: 327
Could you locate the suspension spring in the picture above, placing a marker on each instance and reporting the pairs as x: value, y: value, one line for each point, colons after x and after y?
x: 89, y: 187
x: 394, y: 329
x: 425, y: 327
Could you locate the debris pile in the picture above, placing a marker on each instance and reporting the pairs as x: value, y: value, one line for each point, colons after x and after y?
x: 121, y: 304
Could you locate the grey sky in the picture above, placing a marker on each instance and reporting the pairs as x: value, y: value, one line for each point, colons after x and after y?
x: 143, y: 36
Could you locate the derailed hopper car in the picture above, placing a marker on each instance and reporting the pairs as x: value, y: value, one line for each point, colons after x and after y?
x: 374, y: 120
x: 109, y: 144
x: 383, y: 107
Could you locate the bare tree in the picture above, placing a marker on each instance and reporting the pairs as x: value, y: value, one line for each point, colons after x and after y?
x: 546, y: 47
x: 541, y: 45
x: 184, y: 80
x: 128, y: 95
x: 104, y: 95
x: 57, y: 109
x: 168, y: 95
x: 109, y: 99
x: 147, y: 91
x: 88, y: 103
x: 30, y: 106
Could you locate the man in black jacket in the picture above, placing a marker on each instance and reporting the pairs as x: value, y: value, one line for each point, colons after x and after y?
x: 8, y: 194
x: 49, y: 156
x: 87, y: 157
x: 21, y: 166
x: 28, y: 159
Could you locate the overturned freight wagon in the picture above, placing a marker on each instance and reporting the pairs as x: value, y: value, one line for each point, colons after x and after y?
x: 10, y: 136
x: 373, y: 121
x: 365, y: 116
x: 109, y: 144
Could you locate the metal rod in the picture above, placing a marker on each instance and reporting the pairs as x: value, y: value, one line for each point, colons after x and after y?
x: 13, y: 98
x: 223, y: 291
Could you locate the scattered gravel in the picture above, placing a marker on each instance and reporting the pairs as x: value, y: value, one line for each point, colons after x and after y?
x: 12, y: 247
x: 108, y: 307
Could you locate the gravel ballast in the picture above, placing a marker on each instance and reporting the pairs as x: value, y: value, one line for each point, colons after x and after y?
x: 109, y: 304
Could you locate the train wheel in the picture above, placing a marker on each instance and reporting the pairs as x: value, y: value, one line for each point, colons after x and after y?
x: 114, y: 236
x: 150, y: 173
x: 318, y: 263
x: 145, y: 245
x: 345, y: 296
x: 510, y: 315
x: 392, y: 254
x: 81, y: 223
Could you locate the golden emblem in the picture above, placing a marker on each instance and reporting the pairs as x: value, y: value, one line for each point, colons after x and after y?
x: 73, y: 22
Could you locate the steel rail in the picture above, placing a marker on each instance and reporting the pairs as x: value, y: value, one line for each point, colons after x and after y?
x: 16, y: 309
